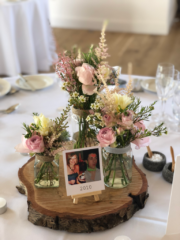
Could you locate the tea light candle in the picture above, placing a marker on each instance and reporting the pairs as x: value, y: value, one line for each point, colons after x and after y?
x: 122, y: 238
x: 3, y: 205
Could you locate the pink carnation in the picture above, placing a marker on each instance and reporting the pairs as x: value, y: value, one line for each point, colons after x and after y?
x: 85, y: 74
x: 106, y: 136
x: 143, y: 142
x: 22, y: 147
x: 140, y: 125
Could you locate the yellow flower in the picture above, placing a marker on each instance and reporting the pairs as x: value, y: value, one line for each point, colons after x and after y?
x: 43, y: 123
x: 121, y: 100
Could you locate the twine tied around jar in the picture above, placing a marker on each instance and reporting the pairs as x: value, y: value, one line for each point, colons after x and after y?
x: 80, y: 113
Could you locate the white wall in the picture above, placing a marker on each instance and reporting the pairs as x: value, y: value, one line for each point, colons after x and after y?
x: 138, y: 16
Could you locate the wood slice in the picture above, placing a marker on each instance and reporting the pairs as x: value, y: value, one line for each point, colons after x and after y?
x: 53, y: 209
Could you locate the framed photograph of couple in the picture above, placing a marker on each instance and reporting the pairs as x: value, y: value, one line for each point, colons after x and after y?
x: 83, y: 170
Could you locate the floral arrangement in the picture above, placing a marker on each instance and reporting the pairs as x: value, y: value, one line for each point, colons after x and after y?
x: 45, y: 137
x: 80, y: 73
x: 119, y: 120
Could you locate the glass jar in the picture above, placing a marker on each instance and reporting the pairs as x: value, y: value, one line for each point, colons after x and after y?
x: 46, y: 172
x: 117, y: 166
x: 80, y: 129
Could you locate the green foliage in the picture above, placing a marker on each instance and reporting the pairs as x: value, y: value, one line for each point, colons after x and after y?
x: 35, y: 114
x: 91, y: 57
x: 30, y: 129
x: 60, y: 124
x: 65, y: 136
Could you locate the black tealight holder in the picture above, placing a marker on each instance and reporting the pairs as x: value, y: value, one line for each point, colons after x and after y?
x: 154, y: 166
x: 167, y: 172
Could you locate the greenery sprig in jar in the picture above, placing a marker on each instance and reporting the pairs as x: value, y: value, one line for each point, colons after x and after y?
x: 80, y: 75
x: 119, y: 121
x: 46, y: 139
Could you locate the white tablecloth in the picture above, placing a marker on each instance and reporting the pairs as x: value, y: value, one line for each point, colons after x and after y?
x: 26, y: 40
x: 147, y: 224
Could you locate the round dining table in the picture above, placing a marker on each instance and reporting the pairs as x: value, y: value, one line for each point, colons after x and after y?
x: 27, y: 44
x: 146, y: 224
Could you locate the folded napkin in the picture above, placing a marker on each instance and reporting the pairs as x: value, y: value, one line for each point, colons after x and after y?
x: 173, y: 228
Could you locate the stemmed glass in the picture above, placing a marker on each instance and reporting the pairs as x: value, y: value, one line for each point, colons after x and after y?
x: 175, y: 120
x: 164, y: 85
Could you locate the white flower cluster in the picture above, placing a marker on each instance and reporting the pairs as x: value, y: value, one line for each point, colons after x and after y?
x: 75, y: 94
x: 98, y: 123
x: 96, y: 105
x: 65, y: 85
x: 82, y: 99
x: 96, y: 119
x: 88, y: 118
x: 98, y: 115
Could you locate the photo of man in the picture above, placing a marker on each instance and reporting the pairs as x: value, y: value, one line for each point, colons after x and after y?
x: 92, y: 173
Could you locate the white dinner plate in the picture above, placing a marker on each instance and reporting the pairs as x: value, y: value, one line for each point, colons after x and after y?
x: 5, y: 87
x: 37, y: 81
x: 149, y: 85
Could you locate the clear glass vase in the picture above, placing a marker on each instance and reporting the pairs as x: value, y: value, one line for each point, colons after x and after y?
x: 117, y: 166
x: 46, y: 172
x: 80, y: 129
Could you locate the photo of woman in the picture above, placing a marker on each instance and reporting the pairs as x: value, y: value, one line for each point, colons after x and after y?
x: 72, y: 168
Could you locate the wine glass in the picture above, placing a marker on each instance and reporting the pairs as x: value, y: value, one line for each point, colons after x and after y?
x: 164, y: 85
x: 174, y: 124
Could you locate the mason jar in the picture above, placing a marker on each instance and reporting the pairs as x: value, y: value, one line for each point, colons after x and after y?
x: 117, y: 166
x: 46, y: 172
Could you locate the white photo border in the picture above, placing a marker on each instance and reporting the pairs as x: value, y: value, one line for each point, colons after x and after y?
x: 85, y: 187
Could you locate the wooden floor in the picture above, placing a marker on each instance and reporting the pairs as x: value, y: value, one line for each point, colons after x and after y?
x: 144, y: 51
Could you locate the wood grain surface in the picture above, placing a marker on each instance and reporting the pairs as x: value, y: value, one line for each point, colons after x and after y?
x: 52, y: 208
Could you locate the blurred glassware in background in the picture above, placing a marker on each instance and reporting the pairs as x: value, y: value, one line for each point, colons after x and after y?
x: 174, y: 124
x: 164, y: 87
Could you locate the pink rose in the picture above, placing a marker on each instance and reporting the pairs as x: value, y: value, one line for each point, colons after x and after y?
x: 106, y: 136
x: 85, y: 74
x: 22, y: 147
x: 140, y: 125
x: 127, y: 120
x: 35, y: 144
x: 88, y: 89
x: 109, y: 121
x: 143, y: 142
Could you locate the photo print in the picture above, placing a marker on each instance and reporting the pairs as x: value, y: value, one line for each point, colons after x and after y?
x: 83, y: 170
